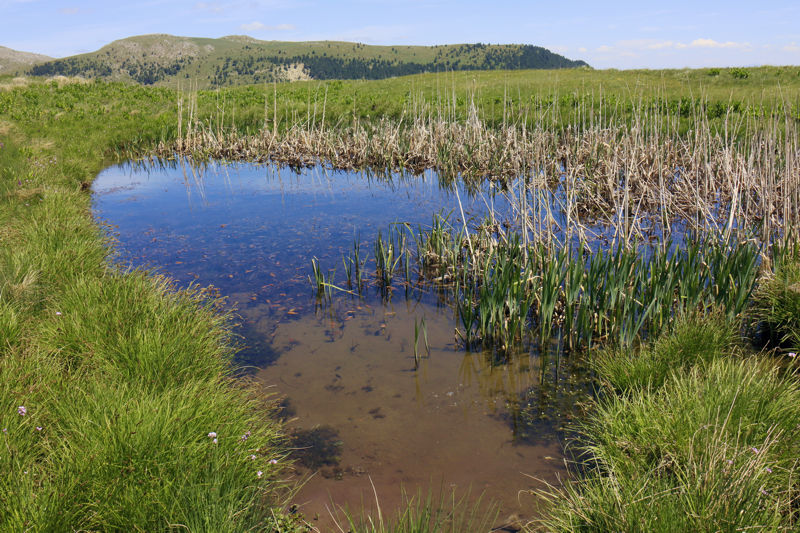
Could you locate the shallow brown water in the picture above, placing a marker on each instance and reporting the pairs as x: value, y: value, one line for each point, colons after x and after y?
x: 442, y: 425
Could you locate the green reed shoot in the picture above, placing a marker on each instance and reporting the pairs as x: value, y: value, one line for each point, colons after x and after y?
x: 420, y: 327
x: 317, y: 278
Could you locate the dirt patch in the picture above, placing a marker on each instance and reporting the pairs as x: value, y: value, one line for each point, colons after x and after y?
x: 295, y: 72
x: 42, y: 144
x: 26, y: 195
x: 14, y: 83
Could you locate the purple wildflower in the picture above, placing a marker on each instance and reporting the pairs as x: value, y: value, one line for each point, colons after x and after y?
x: 768, y: 469
x: 22, y: 410
x: 246, y: 436
x: 755, y: 450
x: 39, y: 428
x: 212, y: 435
x: 259, y: 473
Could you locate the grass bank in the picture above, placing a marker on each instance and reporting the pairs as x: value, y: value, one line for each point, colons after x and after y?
x: 693, y: 432
x: 117, y: 405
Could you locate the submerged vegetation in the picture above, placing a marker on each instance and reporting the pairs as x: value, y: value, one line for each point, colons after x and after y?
x: 117, y: 399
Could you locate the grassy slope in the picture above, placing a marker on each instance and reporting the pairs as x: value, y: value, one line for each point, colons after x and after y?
x: 13, y: 60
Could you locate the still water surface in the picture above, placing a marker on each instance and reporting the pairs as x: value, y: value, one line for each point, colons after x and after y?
x: 360, y: 412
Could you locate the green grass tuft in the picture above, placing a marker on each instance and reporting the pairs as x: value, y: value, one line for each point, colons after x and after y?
x: 776, y: 305
x: 694, y: 341
x: 712, y: 450
x: 442, y: 513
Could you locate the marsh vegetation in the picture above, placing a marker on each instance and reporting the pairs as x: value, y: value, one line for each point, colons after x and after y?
x: 650, y: 232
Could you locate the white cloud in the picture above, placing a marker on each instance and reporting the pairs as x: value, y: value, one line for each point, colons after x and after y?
x: 791, y: 47
x: 259, y: 26
x: 636, y: 45
x: 697, y: 52
x: 711, y: 43
x: 69, y: 10
x: 660, y: 45
x: 385, y: 34
x: 213, y: 7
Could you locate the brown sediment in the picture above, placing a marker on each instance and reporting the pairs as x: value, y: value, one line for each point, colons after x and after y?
x: 440, y: 427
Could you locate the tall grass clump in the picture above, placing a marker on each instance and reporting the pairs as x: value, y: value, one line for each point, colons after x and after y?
x: 695, y: 341
x: 122, y: 413
x: 776, y: 304
x: 442, y: 513
x: 712, y: 450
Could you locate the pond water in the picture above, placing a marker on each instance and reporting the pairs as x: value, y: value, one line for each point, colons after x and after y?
x: 363, y: 410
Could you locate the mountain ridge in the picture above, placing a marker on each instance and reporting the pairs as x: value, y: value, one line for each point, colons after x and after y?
x: 162, y: 59
x: 12, y: 60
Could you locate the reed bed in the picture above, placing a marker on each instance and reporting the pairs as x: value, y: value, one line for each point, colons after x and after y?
x: 506, y: 294
x: 741, y: 170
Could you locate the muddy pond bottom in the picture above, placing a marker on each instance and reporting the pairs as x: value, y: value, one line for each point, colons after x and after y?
x: 368, y: 423
x: 378, y: 395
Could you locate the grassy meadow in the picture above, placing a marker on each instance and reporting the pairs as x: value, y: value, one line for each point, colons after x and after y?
x: 117, y: 403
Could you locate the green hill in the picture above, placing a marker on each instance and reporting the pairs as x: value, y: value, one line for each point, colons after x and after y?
x: 12, y: 60
x: 237, y: 60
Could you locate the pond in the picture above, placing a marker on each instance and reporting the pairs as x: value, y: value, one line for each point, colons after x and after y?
x: 377, y: 391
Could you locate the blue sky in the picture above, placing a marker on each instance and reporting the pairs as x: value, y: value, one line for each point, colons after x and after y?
x: 626, y: 34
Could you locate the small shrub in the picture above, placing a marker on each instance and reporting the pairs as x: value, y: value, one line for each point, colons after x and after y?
x: 740, y: 73
x: 713, y: 72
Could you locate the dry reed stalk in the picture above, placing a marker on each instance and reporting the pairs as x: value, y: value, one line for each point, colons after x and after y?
x: 627, y: 174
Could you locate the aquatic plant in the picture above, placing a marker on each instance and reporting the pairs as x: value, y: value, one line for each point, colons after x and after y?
x: 420, y: 327
x: 622, y: 296
x: 442, y: 513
